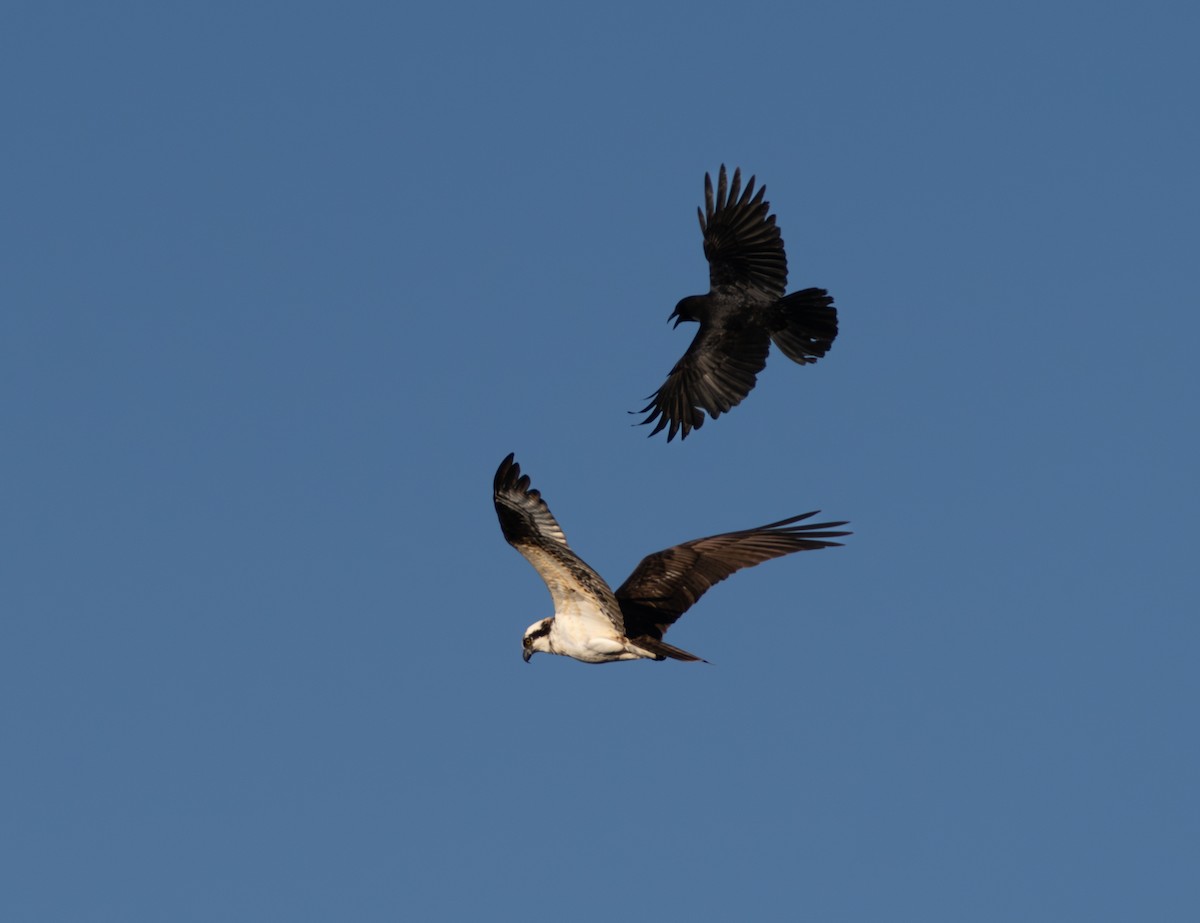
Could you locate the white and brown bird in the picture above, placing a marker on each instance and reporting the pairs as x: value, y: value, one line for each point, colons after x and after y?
x: 744, y: 311
x: 592, y: 623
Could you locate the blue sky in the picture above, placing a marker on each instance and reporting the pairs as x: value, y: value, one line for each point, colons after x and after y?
x: 282, y: 285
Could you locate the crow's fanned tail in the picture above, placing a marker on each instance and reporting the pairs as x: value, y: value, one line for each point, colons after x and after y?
x: 803, y: 324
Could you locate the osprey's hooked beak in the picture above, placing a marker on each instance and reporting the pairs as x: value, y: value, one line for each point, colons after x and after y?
x: 526, y: 653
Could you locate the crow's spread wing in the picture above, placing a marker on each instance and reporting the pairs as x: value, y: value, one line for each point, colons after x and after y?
x: 741, y: 242
x: 718, y: 370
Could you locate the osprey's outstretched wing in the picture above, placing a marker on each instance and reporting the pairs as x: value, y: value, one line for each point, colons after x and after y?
x: 530, y: 527
x: 667, y: 583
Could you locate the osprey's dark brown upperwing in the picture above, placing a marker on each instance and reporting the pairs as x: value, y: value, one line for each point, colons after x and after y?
x: 666, y: 584
x: 744, y: 310
x: 530, y: 527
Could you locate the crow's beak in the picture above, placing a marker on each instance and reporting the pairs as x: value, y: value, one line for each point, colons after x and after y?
x: 678, y: 318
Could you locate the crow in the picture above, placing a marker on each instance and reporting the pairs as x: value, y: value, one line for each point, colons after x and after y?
x: 743, y: 312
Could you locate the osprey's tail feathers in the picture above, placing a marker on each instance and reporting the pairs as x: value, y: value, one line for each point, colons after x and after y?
x: 662, y: 650
x: 804, y: 324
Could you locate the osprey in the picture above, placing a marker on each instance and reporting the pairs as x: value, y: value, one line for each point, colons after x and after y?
x: 743, y: 312
x: 592, y: 623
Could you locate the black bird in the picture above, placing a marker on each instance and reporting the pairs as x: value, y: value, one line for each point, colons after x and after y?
x: 595, y: 625
x: 744, y: 310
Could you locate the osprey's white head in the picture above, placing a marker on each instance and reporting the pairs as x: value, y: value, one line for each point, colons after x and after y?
x: 537, y: 638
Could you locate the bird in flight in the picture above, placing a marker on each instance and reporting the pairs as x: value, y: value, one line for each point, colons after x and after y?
x: 744, y: 311
x: 596, y: 625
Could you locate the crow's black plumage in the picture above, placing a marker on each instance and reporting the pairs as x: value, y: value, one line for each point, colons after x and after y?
x: 743, y: 312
